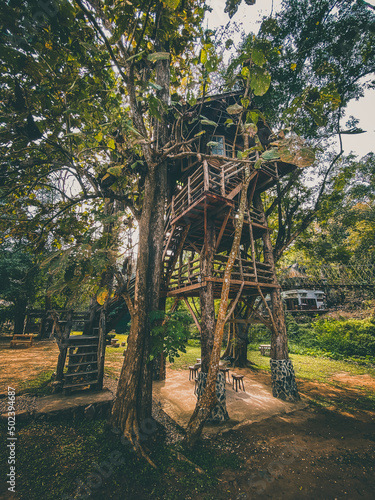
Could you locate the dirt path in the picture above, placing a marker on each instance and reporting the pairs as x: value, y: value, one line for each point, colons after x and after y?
x: 23, y: 364
x: 310, y: 454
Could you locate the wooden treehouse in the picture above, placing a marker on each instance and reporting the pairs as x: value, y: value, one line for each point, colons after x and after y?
x: 202, y: 215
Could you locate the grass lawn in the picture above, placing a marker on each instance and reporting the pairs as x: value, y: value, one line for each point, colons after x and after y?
x: 306, y: 367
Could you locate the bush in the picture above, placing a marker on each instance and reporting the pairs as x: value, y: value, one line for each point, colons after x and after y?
x: 338, y: 337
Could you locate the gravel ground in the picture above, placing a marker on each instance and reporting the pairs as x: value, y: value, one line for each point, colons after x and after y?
x: 28, y: 403
x: 174, y: 432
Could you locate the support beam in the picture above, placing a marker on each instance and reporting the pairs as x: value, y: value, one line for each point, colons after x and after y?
x: 192, y: 313
x: 177, y: 254
x: 223, y: 226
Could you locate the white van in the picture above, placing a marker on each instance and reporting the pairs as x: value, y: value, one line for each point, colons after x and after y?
x: 304, y: 300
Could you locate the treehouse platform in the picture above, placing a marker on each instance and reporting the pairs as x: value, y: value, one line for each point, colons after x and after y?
x: 209, y: 193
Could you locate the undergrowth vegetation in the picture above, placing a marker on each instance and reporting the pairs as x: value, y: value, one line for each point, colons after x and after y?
x: 350, y: 339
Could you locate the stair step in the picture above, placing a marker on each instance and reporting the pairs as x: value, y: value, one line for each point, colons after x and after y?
x: 83, y: 354
x: 76, y: 346
x: 82, y: 337
x: 81, y: 384
x: 79, y: 374
x: 82, y: 364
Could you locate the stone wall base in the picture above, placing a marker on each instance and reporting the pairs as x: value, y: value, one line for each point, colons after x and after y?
x: 219, y: 413
x: 283, y: 380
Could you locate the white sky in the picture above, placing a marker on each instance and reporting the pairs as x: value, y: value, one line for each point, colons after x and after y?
x: 362, y: 109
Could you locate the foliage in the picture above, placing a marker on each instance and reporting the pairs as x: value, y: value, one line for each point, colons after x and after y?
x: 320, y: 55
x: 337, y: 338
x: 169, y: 333
x: 325, y: 49
x: 19, y: 281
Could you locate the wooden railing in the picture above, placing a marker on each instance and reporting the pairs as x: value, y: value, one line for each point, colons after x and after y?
x: 189, y: 273
x: 221, y: 180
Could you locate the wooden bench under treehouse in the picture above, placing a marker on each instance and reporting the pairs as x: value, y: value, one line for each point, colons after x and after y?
x: 19, y: 340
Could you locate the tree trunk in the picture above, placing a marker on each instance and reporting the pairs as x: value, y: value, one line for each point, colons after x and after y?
x: 206, y: 297
x: 208, y: 401
x: 132, y: 407
x: 240, y: 345
x: 101, y: 347
x: 159, y: 363
x: 19, y: 317
x: 283, y: 379
x: 207, y: 305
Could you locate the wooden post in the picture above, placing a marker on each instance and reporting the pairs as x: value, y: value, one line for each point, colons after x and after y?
x: 63, y: 348
x: 252, y: 245
x: 206, y: 178
x: 172, y: 208
x: 222, y: 182
x: 189, y: 192
x: 101, y: 348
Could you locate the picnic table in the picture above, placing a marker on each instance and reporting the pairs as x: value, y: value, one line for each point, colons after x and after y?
x: 265, y: 349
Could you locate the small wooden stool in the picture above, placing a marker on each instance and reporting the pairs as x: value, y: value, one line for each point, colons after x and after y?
x: 193, y: 372
x: 238, y: 379
x: 225, y: 370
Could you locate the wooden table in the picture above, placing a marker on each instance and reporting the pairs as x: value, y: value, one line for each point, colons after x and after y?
x: 265, y: 349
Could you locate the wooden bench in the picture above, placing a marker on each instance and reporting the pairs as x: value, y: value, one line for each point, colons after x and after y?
x: 21, y: 340
x: 265, y: 349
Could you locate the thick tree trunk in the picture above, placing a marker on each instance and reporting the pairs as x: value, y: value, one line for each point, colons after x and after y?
x: 132, y: 407
x: 240, y: 345
x: 159, y: 368
x: 283, y: 379
x: 19, y: 316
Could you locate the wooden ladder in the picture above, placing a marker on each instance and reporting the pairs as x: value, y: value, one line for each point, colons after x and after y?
x: 82, y: 367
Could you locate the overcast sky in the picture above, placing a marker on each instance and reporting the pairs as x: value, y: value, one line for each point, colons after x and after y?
x: 362, y: 109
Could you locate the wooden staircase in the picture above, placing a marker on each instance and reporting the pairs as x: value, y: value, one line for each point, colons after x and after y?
x: 81, y: 358
x: 82, y: 366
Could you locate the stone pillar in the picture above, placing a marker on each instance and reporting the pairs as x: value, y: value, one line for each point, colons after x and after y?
x: 283, y: 380
x: 219, y: 413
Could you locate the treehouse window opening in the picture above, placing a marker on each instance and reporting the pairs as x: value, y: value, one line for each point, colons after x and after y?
x: 219, y: 147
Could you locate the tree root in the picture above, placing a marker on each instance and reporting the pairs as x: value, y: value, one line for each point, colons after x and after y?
x: 182, y: 458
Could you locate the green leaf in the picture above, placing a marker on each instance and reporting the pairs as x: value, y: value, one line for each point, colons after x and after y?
x: 245, y: 101
x: 99, y: 136
x: 234, y: 109
x: 155, y: 86
x: 212, y: 143
x: 200, y: 133
x: 208, y: 122
x: 270, y: 154
x: 245, y: 72
x: 260, y: 81
x: 158, y: 56
x: 171, y: 4
x: 258, y: 57
x: 203, y: 57
x: 111, y: 144
x: 258, y: 164
x: 254, y: 117
x: 116, y: 170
